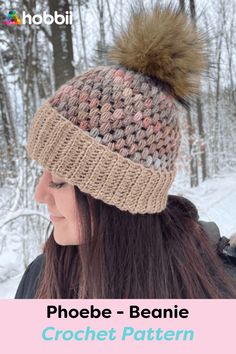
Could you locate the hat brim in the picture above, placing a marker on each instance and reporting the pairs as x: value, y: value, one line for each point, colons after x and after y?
x: 64, y: 149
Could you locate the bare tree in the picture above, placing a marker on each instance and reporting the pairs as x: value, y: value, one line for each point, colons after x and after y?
x: 182, y: 5
x: 101, y: 42
x: 230, y: 45
x: 80, y: 4
x: 7, y: 117
x: 201, y: 131
x: 191, y: 132
x: 61, y: 40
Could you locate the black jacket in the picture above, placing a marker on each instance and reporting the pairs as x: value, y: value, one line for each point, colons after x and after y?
x: 28, y: 284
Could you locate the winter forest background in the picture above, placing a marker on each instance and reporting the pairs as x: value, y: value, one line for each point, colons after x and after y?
x: 35, y: 60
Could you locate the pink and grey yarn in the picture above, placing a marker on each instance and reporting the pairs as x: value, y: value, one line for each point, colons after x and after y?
x: 113, y: 131
x: 125, y: 111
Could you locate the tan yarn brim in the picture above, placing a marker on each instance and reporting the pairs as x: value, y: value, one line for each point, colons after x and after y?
x: 67, y: 151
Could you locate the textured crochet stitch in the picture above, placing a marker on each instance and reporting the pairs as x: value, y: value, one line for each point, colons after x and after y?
x: 124, y: 111
x: 114, y: 131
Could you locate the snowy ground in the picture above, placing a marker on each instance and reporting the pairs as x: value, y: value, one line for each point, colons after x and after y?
x: 8, y: 288
x: 215, y: 200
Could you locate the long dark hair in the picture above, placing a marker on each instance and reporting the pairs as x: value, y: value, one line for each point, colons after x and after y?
x: 124, y: 255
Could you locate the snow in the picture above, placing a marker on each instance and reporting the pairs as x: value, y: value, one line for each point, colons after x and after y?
x: 214, y: 198
x: 8, y: 288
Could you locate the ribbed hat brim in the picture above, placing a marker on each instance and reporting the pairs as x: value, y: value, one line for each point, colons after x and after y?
x: 69, y: 152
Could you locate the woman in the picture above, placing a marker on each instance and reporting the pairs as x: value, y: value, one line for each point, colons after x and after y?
x: 108, y: 141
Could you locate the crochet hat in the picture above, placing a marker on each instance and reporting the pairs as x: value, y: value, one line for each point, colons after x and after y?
x: 113, y: 130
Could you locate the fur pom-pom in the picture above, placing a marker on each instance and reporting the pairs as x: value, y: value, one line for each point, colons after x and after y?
x: 163, y: 43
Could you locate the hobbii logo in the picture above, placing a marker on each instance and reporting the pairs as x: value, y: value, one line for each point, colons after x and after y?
x: 47, y: 19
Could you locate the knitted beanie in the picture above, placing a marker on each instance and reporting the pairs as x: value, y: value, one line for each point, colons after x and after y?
x: 113, y: 131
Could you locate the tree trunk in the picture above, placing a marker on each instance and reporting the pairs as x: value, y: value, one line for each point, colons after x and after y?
x: 202, y: 139
x: 201, y: 131
x: 110, y: 18
x: 62, y: 45
x: 193, y: 163
x: 182, y: 5
x: 7, y: 120
x: 101, y: 43
x: 82, y: 35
